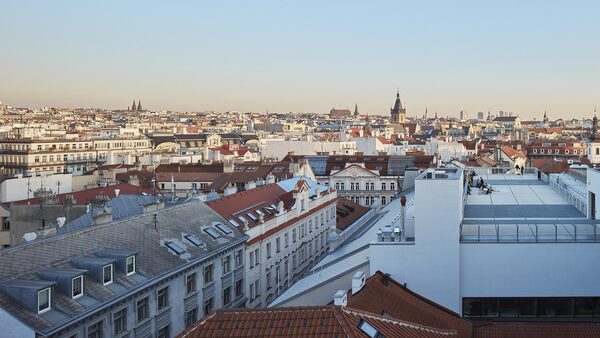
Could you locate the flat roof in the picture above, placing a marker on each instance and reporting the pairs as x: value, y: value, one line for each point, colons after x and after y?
x: 518, y: 196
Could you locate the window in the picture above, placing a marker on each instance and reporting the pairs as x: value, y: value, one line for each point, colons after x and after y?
x: 142, y: 309
x: 239, y: 288
x: 238, y: 258
x: 286, y: 239
x: 194, y: 240
x: 383, y: 200
x: 5, y: 224
x: 368, y: 329
x: 107, y: 274
x: 162, y: 298
x: 208, y: 305
x: 251, y: 259
x: 163, y: 332
x: 257, y: 256
x: 191, y: 317
x: 95, y: 330
x: 294, y: 235
x: 44, y: 300
x: 190, y: 283
x: 77, y: 287
x: 208, y: 274
x: 120, y: 321
x: 278, y: 245
x: 130, y: 265
x: 392, y: 186
x: 269, y: 250
x: 382, y: 185
x: 225, y: 264
x: 226, y: 295
x: 268, y: 279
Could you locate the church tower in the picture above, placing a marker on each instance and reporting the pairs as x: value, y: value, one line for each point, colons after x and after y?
x: 139, y: 107
x: 398, y: 113
x: 594, y: 142
x: 133, y: 105
x: 356, y: 110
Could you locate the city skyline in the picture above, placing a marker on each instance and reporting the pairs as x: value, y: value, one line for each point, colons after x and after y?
x: 524, y: 58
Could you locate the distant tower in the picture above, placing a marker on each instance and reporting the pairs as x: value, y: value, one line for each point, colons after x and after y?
x: 425, y: 113
x: 139, y: 107
x: 356, y: 110
x: 398, y: 113
x: 545, y: 120
x: 133, y: 105
x: 594, y: 143
x: 368, y: 129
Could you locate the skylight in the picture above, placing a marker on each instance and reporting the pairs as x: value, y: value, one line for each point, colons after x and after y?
x: 178, y: 249
x: 233, y: 222
x: 241, y: 218
x: 223, y: 228
x: 212, y: 232
x: 194, y: 240
x: 260, y: 213
x: 252, y: 216
x: 368, y: 329
x: 273, y: 206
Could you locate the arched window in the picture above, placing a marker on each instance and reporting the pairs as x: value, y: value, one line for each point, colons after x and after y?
x: 597, y: 151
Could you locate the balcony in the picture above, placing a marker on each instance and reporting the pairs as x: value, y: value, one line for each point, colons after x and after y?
x: 584, y: 231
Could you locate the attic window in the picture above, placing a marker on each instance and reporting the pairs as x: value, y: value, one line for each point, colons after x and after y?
x: 175, y: 247
x: 107, y: 274
x: 130, y: 265
x: 77, y: 287
x: 260, y: 213
x: 273, y: 206
x: 368, y: 329
x: 212, y: 233
x: 223, y: 228
x: 194, y: 240
x: 44, y: 300
x: 233, y: 222
x: 242, y: 219
x: 252, y: 216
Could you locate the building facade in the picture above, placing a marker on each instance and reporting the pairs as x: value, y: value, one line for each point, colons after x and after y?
x: 288, y: 223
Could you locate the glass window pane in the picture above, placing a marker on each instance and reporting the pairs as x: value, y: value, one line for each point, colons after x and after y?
x: 509, y: 307
x: 564, y: 307
x: 546, y: 307
x: 471, y: 307
x: 584, y: 306
x: 489, y: 307
x: 527, y: 307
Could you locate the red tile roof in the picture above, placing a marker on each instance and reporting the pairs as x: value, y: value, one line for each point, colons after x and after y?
x: 347, y: 212
x: 385, y: 295
x: 318, y: 321
x: 248, y: 201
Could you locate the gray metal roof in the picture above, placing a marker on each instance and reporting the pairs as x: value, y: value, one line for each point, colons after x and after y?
x: 145, y: 234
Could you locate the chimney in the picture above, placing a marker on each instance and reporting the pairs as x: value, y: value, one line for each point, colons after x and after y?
x: 270, y: 179
x: 402, y: 215
x: 385, y: 279
x: 250, y: 185
x: 340, y: 298
x: 358, y: 281
x: 117, y: 191
x: 230, y: 190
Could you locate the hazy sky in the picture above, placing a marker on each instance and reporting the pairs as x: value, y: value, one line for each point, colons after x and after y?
x: 520, y: 56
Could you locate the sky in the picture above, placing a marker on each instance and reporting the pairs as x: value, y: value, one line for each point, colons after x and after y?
x: 306, y: 56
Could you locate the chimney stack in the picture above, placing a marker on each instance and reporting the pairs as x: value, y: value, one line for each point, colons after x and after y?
x: 403, y: 216
x: 340, y: 298
x: 358, y: 281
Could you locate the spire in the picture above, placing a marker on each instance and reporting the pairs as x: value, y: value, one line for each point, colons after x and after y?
x: 133, y: 105
x: 139, y: 107
x: 594, y: 126
x: 356, y: 110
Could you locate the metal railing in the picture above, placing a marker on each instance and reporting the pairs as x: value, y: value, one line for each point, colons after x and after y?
x: 530, y: 233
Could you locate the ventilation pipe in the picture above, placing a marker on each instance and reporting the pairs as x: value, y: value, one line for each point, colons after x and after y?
x: 403, y: 216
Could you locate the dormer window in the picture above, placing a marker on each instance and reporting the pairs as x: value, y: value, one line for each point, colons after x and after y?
x: 77, y: 287
x: 107, y: 274
x: 130, y: 265
x: 44, y: 300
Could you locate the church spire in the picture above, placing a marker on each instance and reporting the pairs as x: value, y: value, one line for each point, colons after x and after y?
x: 356, y: 110
x: 594, y: 126
x: 133, y: 105
x: 139, y: 107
